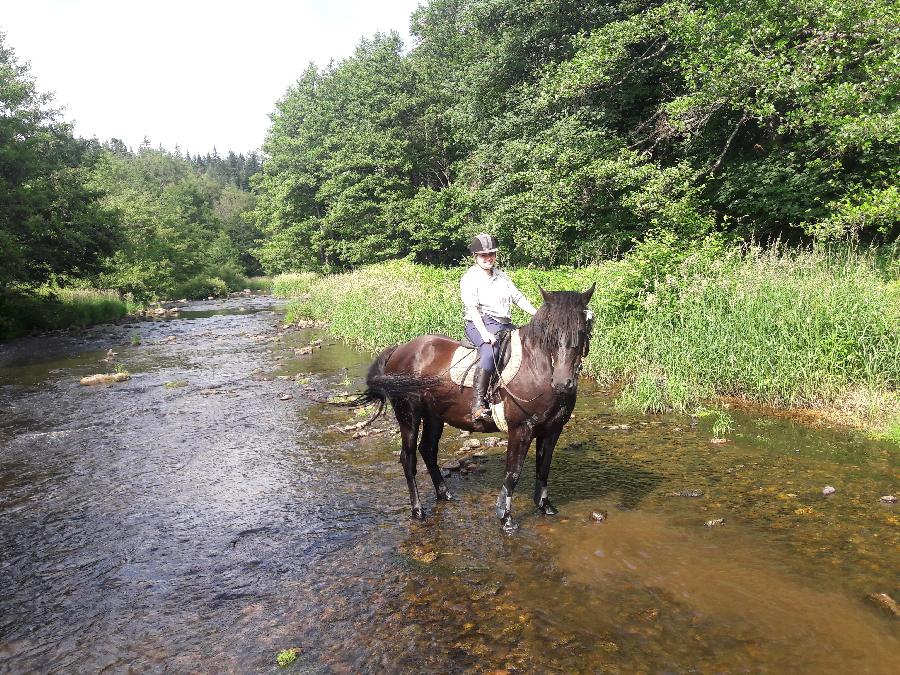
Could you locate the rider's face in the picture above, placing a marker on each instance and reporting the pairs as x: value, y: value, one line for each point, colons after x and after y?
x: 486, y: 261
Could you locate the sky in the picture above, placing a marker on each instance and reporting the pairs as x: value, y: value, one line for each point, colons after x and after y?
x: 196, y: 73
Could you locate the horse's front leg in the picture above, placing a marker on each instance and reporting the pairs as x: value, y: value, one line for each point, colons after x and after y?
x: 519, y: 440
x: 545, y: 446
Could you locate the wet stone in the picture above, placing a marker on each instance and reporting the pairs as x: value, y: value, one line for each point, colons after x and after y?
x: 827, y: 490
x: 452, y: 465
x: 888, y: 499
x: 715, y: 522
x: 599, y: 516
x: 687, y: 493
x: 885, y: 602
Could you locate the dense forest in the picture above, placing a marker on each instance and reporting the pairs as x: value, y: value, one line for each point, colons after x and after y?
x: 573, y: 129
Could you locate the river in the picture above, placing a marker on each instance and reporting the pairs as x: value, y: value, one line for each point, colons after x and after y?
x: 207, y: 513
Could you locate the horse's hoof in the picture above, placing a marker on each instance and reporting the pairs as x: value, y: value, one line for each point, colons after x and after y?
x: 447, y: 496
x: 509, y: 526
x: 418, y: 513
x: 548, y: 509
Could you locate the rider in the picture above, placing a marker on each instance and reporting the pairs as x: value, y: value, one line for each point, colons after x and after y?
x: 486, y: 296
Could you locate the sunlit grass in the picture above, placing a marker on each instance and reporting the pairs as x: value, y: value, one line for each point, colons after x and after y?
x: 50, y: 309
x: 292, y: 285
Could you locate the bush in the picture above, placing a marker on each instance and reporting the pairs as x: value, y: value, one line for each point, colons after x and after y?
x: 201, y: 286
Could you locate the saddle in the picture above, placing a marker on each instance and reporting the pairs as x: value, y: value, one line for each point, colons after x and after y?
x: 465, y: 358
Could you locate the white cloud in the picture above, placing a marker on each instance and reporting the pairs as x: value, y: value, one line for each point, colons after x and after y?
x: 197, y: 73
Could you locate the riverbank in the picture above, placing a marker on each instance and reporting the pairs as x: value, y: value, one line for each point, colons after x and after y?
x: 49, y: 308
x: 678, y: 325
x: 60, y: 308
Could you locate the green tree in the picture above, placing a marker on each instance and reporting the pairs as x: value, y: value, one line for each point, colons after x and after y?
x: 51, y: 222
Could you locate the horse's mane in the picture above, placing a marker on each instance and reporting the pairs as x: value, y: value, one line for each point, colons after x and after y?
x: 559, y: 322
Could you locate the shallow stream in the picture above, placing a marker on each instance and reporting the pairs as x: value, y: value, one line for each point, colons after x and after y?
x: 207, y: 513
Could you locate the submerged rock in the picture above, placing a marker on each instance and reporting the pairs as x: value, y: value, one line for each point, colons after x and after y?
x: 104, y: 378
x: 827, y: 490
x: 715, y: 522
x: 599, y: 516
x: 889, y: 499
x: 886, y: 602
x: 687, y: 493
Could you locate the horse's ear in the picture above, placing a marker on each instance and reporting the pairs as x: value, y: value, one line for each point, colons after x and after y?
x: 586, y: 296
x: 544, y: 294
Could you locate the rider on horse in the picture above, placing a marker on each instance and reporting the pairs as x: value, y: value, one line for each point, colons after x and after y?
x: 486, y: 296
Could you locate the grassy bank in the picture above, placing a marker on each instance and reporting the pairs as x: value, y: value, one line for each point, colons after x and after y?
x: 677, y: 324
x: 50, y: 309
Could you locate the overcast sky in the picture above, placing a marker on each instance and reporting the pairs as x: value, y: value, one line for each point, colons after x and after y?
x: 197, y: 73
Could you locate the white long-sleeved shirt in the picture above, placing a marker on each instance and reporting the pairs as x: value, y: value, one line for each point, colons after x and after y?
x: 491, y: 295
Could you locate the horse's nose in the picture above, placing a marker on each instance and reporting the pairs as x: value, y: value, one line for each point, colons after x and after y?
x: 565, y: 387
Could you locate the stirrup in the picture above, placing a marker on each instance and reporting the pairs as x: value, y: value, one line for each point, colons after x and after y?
x: 482, y: 414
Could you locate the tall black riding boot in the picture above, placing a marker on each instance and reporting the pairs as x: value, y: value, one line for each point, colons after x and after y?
x: 480, y: 408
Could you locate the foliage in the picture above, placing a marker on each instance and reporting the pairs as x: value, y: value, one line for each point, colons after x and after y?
x: 181, y: 231
x: 575, y: 130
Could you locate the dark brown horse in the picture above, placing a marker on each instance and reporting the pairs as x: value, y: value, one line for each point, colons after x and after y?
x: 414, y: 377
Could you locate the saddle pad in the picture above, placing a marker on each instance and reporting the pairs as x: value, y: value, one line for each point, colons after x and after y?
x: 499, y: 416
x: 464, y: 359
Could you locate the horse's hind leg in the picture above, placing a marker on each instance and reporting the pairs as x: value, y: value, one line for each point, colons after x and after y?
x: 545, y: 446
x: 432, y: 428
x: 409, y: 419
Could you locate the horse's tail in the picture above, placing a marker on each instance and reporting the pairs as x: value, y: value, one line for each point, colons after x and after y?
x: 380, y: 387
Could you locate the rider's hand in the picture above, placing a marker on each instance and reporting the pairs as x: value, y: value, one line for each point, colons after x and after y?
x: 490, y: 339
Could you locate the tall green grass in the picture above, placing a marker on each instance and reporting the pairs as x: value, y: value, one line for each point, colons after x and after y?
x: 676, y: 323
x: 50, y: 309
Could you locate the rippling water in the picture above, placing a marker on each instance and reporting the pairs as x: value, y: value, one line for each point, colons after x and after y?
x: 206, y: 524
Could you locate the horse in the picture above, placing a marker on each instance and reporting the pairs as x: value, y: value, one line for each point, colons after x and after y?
x: 414, y: 377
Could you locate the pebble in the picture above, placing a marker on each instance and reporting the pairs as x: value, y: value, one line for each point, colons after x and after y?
x: 886, y: 602
x: 828, y: 490
x: 889, y: 499
x: 472, y: 443
x: 718, y: 441
x: 715, y: 522
x: 598, y: 516
x: 687, y: 493
x: 286, y: 397
x: 452, y: 465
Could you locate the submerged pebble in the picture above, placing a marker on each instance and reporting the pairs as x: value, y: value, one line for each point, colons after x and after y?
x: 687, y: 493
x: 828, y: 490
x: 599, y: 516
x: 886, y: 602
x: 889, y: 499
x: 715, y: 522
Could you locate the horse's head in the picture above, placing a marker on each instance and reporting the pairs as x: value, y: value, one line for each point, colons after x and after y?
x: 562, y: 327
